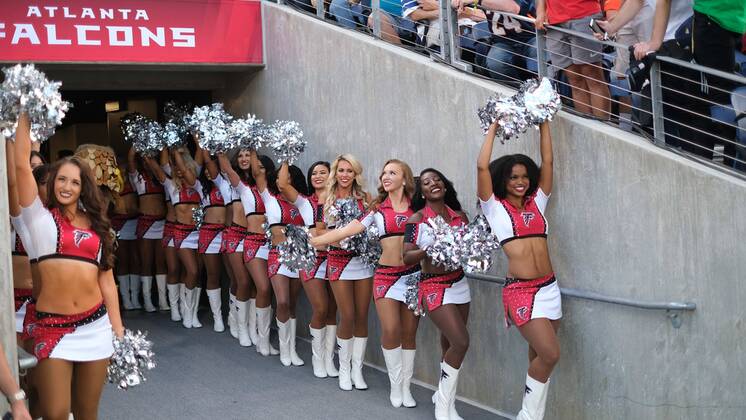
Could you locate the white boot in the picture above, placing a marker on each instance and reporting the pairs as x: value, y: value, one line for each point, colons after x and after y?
x: 345, y: 355
x: 173, y: 297
x: 446, y: 392
x: 318, y: 337
x: 358, y: 354
x: 216, y: 308
x: 330, y: 344
x: 187, y: 297
x: 393, y: 360
x: 252, y: 321
x: 160, y: 281
x: 532, y: 398
x: 124, y: 291
x: 147, y: 288
x: 543, y: 403
x: 283, y: 335
x: 407, y: 371
x: 242, y: 313
x: 297, y: 361
x: 262, y: 324
x: 195, y: 307
x: 135, y: 291
x: 232, y: 325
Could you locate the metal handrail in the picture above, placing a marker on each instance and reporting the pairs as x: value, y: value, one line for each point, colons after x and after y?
x: 598, y: 297
x: 26, y: 361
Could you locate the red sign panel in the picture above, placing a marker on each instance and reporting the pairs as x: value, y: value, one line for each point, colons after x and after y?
x: 121, y: 31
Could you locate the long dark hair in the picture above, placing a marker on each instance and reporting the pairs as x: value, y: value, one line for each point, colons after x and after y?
x: 244, y: 175
x: 41, y: 174
x: 297, y: 180
x: 92, y: 200
x: 451, y: 197
x: 502, y: 168
x: 310, y: 172
x: 270, y: 171
x: 39, y: 155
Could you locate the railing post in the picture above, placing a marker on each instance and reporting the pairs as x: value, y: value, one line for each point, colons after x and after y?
x: 375, y: 7
x: 445, y: 32
x: 454, y: 45
x: 320, y: 9
x: 656, y: 99
x: 541, y: 53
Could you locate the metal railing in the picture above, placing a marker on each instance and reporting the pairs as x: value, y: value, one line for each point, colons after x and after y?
x: 671, y: 308
x: 686, y: 121
x: 26, y: 361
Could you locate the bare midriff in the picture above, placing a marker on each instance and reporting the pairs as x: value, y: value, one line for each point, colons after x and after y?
x: 238, y: 215
x: 254, y: 223
x: 152, y: 205
x: 22, y: 278
x: 68, y: 286
x: 185, y: 213
x: 392, y: 251
x: 215, y: 215
x: 528, y: 258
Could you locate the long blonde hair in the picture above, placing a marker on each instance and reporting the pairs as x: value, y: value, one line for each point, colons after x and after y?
x: 358, y: 184
x: 408, y: 182
x: 189, y: 162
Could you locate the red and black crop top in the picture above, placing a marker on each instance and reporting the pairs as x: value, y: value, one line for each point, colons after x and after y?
x: 186, y: 194
x: 250, y: 198
x: 508, y: 223
x: 126, y: 188
x: 219, y: 192
x: 281, y: 212
x: 54, y: 236
x: 144, y: 184
x: 388, y: 221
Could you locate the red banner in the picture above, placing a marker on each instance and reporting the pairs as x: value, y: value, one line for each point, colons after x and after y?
x: 120, y: 31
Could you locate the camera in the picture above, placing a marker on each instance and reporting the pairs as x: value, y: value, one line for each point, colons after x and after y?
x: 638, y: 73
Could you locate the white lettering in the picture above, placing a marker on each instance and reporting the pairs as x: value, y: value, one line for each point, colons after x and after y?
x: 33, y: 11
x: 106, y: 13
x: 159, y: 37
x: 67, y: 13
x: 114, y: 40
x: 87, y: 13
x: 51, y: 10
x: 141, y: 14
x: 52, y: 36
x: 183, y: 37
x: 125, y: 13
x: 25, y: 30
x: 83, y: 34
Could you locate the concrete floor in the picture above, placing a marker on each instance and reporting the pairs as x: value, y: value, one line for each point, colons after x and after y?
x: 205, y: 375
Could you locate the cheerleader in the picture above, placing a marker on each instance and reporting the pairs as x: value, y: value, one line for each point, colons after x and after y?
x: 317, y: 288
x: 149, y: 233
x: 391, y: 210
x: 173, y: 267
x: 185, y: 193
x: 249, y: 244
x: 75, y: 249
x: 215, y: 189
x: 281, y: 212
x: 445, y: 293
x: 513, y: 193
x: 352, y: 297
x: 124, y: 222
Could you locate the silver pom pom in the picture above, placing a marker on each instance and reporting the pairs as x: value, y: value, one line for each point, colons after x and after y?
x: 26, y: 89
x: 366, y: 245
x: 146, y: 135
x: 248, y: 133
x: 296, y: 251
x: 412, y: 294
x: 541, y: 100
x: 133, y: 355
x: 468, y: 247
x: 198, y: 216
x: 286, y: 141
x: 444, y: 249
x: 211, y: 125
x: 344, y: 211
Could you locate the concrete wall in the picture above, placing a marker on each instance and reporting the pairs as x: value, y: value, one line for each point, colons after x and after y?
x: 627, y: 219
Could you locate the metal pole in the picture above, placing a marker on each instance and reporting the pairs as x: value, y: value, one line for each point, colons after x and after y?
x: 320, y: 9
x: 445, y: 39
x: 376, y: 13
x: 541, y: 53
x: 656, y: 97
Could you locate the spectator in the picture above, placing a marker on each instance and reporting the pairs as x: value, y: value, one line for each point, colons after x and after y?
x: 12, y: 391
x: 350, y: 13
x: 580, y: 58
x: 425, y: 16
x: 357, y: 13
x: 512, y: 55
x: 638, y: 29
x: 37, y: 159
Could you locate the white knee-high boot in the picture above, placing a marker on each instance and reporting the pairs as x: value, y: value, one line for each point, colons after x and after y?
x: 330, y: 344
x: 393, y: 358
x: 135, y: 291
x: 147, y: 289
x: 195, y: 307
x: 318, y: 338
x: 358, y: 355
x: 345, y: 368
x: 283, y: 335
x: 532, y: 399
x: 173, y: 297
x: 297, y: 361
x: 124, y: 291
x: 263, y: 319
x: 407, y: 371
x: 187, y: 298
x: 232, y: 325
x: 446, y: 394
x: 543, y: 403
x: 160, y: 281
x: 214, y: 296
x: 242, y: 313
x: 252, y: 321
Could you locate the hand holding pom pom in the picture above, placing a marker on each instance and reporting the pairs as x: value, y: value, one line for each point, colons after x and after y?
x: 133, y: 356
